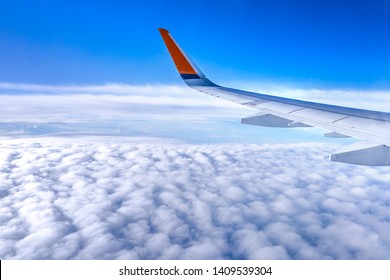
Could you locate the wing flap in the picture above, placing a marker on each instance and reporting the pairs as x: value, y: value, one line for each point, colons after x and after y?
x: 319, y: 115
x: 368, y: 124
x: 278, y: 106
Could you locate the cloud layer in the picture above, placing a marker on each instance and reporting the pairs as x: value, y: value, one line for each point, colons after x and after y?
x: 140, y: 200
x: 42, y: 103
x: 75, y: 103
x: 163, y: 111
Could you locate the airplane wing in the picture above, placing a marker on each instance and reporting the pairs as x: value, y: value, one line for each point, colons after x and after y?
x: 372, y: 127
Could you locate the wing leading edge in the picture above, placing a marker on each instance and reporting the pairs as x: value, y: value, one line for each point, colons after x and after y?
x: 373, y: 127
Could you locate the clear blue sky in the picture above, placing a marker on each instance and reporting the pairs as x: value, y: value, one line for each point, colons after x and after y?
x: 331, y: 43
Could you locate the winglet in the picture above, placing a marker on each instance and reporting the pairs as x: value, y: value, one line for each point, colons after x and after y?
x: 186, y: 68
x: 189, y: 72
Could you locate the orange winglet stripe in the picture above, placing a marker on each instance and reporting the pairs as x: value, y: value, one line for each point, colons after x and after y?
x: 181, y: 62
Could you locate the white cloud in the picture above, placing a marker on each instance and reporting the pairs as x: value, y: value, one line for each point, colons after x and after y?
x: 161, y: 111
x: 71, y: 103
x: 74, y: 103
x: 142, y: 200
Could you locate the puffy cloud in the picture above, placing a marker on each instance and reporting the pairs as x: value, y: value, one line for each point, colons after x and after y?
x: 143, y: 200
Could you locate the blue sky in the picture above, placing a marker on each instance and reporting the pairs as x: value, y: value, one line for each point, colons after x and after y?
x: 314, y: 43
x: 325, y: 51
x: 98, y: 134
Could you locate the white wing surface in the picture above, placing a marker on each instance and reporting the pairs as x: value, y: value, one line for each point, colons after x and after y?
x: 372, y: 127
